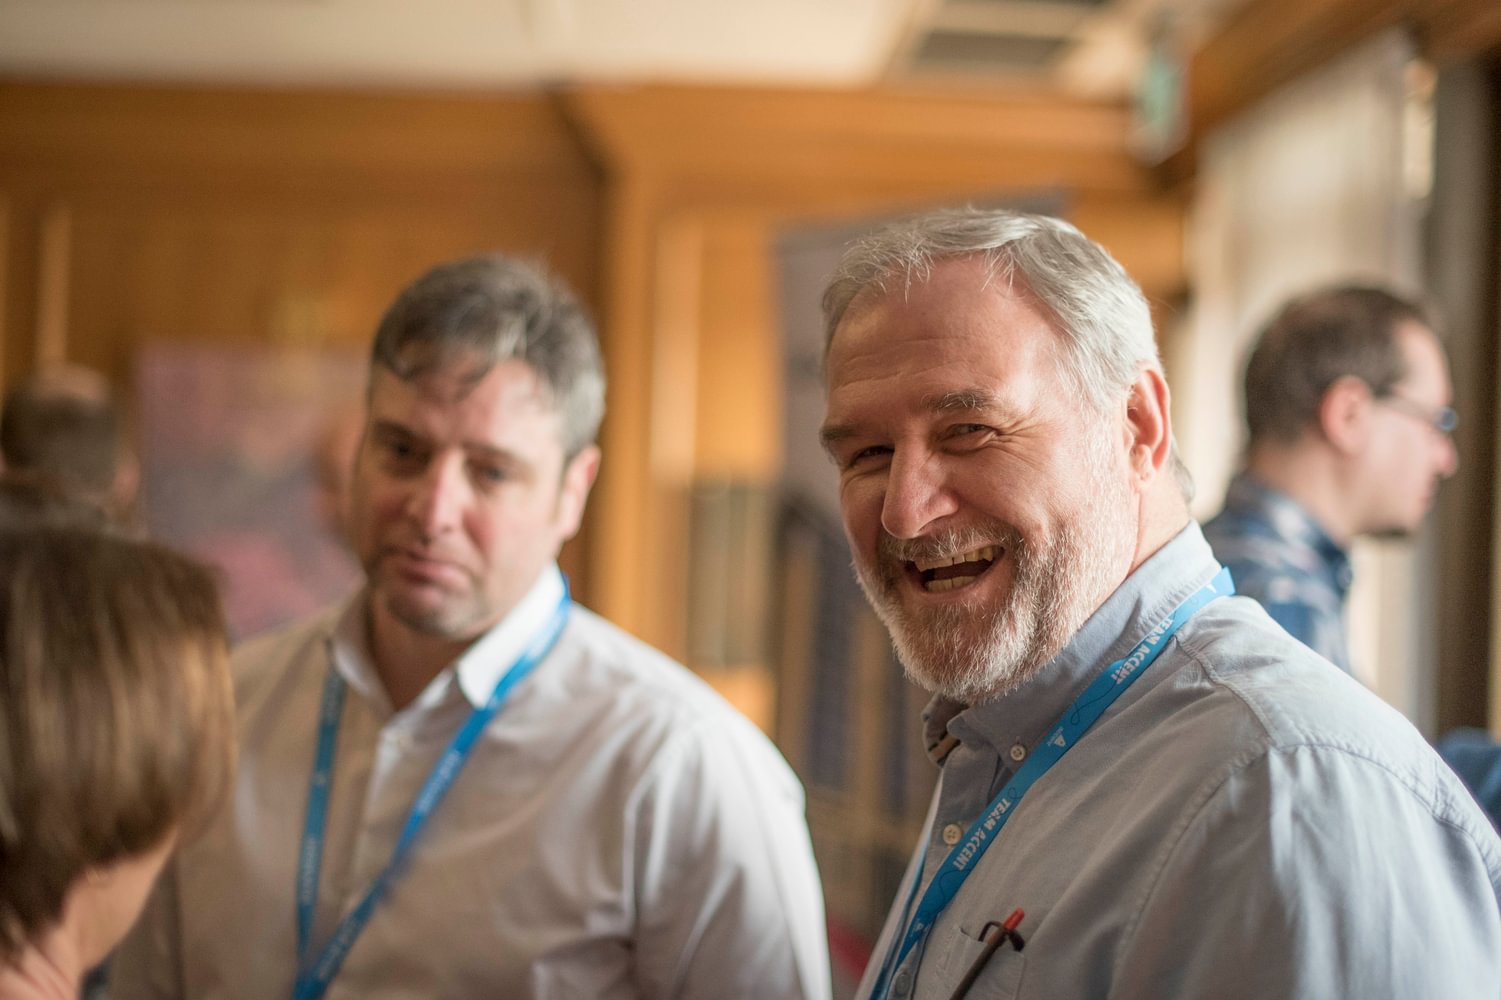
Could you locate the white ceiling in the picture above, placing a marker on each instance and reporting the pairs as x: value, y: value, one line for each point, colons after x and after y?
x: 1090, y: 46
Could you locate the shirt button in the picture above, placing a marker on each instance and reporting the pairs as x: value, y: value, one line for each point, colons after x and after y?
x: 952, y: 833
x: 1018, y: 752
x: 902, y: 985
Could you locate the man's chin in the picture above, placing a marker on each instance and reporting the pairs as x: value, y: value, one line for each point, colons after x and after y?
x: 965, y: 672
x: 440, y: 620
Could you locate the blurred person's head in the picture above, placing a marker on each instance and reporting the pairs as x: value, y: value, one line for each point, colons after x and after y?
x: 1350, y: 382
x: 116, y: 736
x: 999, y: 419
x: 63, y: 423
x: 32, y: 500
x: 486, y: 393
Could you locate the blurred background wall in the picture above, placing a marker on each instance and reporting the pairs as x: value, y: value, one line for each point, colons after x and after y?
x: 213, y: 200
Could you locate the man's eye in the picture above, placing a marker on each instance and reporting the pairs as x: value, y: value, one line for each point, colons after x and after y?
x: 867, y: 456
x: 970, y: 433
x: 492, y: 475
x: 400, y: 454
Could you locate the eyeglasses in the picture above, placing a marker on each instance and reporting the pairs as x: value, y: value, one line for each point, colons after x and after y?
x: 1444, y: 419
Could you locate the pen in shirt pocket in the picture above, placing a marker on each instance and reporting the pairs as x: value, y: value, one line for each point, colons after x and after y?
x: 994, y: 934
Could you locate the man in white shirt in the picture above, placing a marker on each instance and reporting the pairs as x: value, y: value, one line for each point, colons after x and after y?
x: 457, y: 784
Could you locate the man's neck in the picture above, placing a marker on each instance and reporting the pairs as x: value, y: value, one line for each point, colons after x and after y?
x: 1162, y: 514
x: 405, y: 659
x: 1312, y: 480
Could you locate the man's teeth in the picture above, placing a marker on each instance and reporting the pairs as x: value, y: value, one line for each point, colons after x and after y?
x: 941, y: 586
x: 985, y: 554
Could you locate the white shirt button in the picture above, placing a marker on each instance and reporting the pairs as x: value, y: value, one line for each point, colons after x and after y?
x: 1018, y: 752
x: 952, y: 833
x: 902, y: 984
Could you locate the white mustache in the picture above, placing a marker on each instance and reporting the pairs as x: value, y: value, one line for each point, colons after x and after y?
x: 948, y: 544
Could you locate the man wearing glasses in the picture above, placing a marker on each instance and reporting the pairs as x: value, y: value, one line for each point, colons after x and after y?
x: 1347, y: 401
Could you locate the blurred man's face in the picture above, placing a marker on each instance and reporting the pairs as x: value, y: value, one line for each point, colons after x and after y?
x: 461, y: 496
x: 988, y: 507
x: 1408, y: 455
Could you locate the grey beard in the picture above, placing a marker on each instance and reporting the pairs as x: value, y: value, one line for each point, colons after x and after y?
x: 972, y: 655
x: 977, y: 654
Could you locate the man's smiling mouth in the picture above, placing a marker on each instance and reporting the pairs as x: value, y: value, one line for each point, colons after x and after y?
x: 940, y: 574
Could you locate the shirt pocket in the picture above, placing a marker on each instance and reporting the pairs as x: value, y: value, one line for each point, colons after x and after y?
x: 1000, y: 975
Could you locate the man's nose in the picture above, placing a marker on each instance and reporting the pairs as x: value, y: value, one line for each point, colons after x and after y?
x: 917, y: 494
x: 438, y: 497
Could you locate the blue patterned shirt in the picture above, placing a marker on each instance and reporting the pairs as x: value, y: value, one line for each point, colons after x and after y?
x: 1280, y: 556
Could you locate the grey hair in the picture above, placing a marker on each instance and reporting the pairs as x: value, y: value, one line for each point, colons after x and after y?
x: 1099, y: 313
x: 478, y: 312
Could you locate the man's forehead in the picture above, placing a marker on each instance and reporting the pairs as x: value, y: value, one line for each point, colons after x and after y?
x: 1423, y: 354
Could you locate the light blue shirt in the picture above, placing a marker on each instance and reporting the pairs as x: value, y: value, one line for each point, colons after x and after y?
x: 1245, y: 822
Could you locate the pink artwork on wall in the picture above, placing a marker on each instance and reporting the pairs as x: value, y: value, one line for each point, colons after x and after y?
x: 243, y: 450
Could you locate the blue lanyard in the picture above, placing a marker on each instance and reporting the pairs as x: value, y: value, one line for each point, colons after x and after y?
x: 313, y: 979
x: 1067, y: 731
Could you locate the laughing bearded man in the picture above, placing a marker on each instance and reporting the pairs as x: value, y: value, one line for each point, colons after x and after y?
x: 1143, y: 782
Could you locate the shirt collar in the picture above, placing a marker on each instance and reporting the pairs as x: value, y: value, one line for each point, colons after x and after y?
x: 477, y: 670
x: 1290, y: 520
x: 481, y: 666
x: 1143, y: 599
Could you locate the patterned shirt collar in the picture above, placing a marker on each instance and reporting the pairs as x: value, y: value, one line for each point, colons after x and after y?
x: 1291, y: 521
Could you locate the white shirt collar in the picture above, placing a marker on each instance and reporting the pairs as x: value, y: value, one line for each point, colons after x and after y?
x: 481, y: 666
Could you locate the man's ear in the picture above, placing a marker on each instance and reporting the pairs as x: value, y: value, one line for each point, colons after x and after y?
x: 1149, y: 425
x: 578, y: 477
x: 1344, y: 414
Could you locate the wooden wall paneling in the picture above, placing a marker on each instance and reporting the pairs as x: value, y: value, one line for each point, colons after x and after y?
x: 672, y: 399
x: 5, y: 240
x: 1145, y: 233
x: 55, y: 264
x: 826, y: 151
x: 627, y: 494
x: 18, y: 287
x: 739, y: 360
x: 280, y: 140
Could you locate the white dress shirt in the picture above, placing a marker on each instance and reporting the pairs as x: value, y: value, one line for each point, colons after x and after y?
x: 618, y: 832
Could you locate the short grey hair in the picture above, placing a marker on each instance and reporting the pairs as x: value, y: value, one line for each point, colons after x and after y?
x: 1100, y: 314
x: 478, y: 312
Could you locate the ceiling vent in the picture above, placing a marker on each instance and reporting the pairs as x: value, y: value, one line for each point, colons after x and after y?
x: 990, y: 39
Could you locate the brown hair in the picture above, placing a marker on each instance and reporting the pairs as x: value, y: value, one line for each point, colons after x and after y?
x: 116, y: 711
x: 71, y: 433
x: 33, y: 500
x: 1314, y: 341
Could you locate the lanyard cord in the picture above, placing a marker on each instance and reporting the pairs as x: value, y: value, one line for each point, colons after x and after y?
x: 313, y: 978
x: 1068, y: 730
